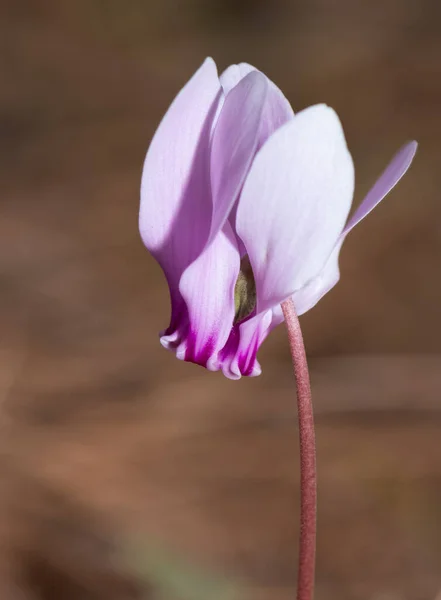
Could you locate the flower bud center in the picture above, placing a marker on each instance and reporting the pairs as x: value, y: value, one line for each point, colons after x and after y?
x: 244, y: 291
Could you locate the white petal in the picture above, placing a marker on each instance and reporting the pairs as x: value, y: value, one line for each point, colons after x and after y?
x: 295, y: 202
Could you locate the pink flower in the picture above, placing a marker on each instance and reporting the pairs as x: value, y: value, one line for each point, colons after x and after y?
x: 243, y: 205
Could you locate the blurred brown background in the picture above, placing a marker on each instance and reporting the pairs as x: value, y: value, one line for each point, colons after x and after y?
x: 105, y: 435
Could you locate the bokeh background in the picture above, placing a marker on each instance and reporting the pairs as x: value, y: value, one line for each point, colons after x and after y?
x: 105, y: 436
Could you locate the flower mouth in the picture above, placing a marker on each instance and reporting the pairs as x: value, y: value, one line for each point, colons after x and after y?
x: 244, y: 292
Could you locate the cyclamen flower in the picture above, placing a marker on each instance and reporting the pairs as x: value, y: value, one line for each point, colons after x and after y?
x: 244, y: 205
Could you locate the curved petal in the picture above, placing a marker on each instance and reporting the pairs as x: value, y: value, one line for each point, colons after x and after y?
x: 387, y: 180
x: 312, y: 292
x: 175, y: 211
x: 234, y: 145
x: 253, y: 109
x: 233, y: 74
x: 294, y: 203
x: 203, y: 324
x: 281, y: 108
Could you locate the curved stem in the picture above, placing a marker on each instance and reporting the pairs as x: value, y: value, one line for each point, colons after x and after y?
x: 308, y: 475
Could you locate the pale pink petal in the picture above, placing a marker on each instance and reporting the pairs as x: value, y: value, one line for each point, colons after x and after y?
x: 280, y: 106
x: 294, y: 203
x: 207, y: 310
x: 250, y: 114
x: 233, y: 75
x: 175, y: 211
x: 234, y: 145
x: 389, y: 178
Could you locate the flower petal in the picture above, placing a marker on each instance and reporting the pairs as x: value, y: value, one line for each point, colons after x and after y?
x: 207, y: 290
x: 235, y: 141
x: 310, y: 294
x: 253, y: 109
x: 280, y: 106
x: 233, y: 74
x: 294, y: 203
x: 389, y: 178
x: 175, y: 211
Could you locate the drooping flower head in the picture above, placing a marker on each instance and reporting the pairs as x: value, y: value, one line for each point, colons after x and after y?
x: 244, y: 205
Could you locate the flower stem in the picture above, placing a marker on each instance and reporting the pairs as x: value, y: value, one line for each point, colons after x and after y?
x: 308, y: 475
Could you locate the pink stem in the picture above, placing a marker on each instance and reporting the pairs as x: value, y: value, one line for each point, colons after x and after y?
x: 308, y: 475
